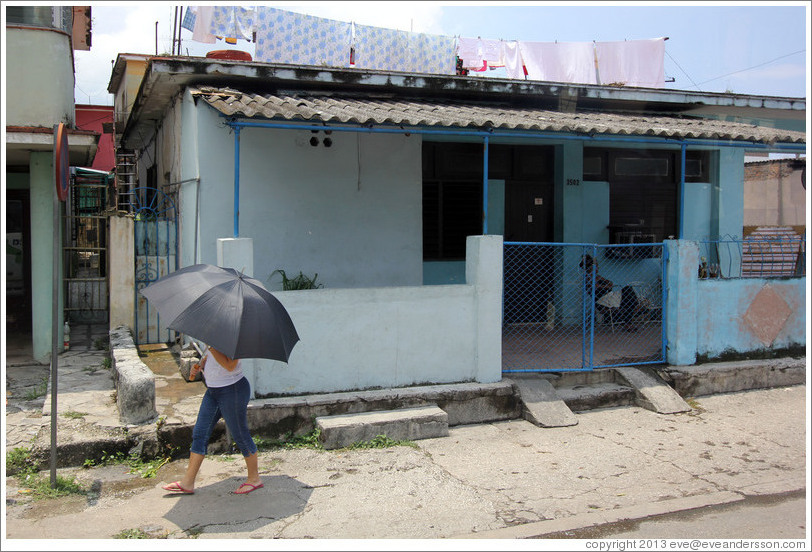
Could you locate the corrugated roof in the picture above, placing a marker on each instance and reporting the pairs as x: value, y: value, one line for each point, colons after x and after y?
x: 368, y: 110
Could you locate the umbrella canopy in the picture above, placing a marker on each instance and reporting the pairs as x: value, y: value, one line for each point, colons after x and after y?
x: 225, y: 309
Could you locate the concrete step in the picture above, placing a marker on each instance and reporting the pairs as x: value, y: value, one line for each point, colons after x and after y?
x: 596, y: 395
x: 542, y: 405
x: 652, y: 392
x: 422, y: 422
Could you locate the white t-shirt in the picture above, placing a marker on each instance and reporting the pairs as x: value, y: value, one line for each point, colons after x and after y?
x: 217, y: 376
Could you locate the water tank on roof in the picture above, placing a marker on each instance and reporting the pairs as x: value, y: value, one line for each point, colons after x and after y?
x: 233, y: 55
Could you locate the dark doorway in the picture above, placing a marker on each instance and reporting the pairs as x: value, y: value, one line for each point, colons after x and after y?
x: 18, y: 261
x: 528, y: 175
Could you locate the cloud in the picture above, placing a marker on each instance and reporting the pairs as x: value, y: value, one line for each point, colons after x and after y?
x: 118, y: 29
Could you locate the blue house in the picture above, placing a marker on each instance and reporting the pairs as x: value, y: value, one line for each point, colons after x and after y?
x: 423, y: 203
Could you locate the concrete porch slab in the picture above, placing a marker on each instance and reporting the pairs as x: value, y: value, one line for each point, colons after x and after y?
x: 423, y: 422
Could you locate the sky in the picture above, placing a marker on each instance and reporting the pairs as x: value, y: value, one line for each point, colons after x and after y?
x: 754, y: 48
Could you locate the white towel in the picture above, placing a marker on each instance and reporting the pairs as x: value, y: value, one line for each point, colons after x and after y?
x: 203, y: 25
x: 559, y: 61
x: 632, y: 63
x: 512, y: 60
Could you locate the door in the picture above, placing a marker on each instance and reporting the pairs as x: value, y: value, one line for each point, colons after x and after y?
x: 528, y: 218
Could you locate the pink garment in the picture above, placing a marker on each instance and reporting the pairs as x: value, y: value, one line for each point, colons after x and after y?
x: 632, y: 63
x: 559, y: 61
x: 203, y: 24
x: 478, y: 53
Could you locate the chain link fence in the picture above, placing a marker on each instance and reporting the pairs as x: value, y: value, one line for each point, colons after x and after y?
x: 575, y: 307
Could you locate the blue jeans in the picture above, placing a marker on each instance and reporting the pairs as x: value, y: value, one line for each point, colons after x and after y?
x: 230, y: 403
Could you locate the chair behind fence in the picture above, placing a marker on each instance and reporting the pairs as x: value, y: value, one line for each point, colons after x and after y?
x: 770, y: 252
x: 575, y: 307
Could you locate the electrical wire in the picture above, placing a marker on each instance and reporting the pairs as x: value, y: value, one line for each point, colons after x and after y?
x: 753, y: 67
x: 683, y: 70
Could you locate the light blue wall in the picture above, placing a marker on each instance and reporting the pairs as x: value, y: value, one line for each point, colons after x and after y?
x: 351, y: 213
x: 189, y: 163
x: 723, y: 324
x: 730, y: 200
x: 710, y: 318
x: 697, y: 218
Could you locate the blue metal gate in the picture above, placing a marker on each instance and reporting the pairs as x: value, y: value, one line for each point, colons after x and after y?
x: 156, y: 232
x: 576, y: 307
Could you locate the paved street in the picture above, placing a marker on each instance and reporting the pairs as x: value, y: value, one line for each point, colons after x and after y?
x: 500, y: 480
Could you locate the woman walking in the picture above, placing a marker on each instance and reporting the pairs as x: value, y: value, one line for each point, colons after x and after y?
x: 227, y: 395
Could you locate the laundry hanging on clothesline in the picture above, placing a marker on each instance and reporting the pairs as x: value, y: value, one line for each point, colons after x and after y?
x: 627, y: 63
x: 228, y: 23
x: 631, y: 63
x: 289, y: 37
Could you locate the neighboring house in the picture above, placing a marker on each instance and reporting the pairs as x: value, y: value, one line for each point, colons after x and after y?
x: 775, y: 194
x: 39, y: 84
x: 99, y: 119
x: 377, y: 180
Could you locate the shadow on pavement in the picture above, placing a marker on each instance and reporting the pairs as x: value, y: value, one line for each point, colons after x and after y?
x: 213, y: 508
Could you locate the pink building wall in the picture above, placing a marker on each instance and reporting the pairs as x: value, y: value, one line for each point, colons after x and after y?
x: 94, y: 117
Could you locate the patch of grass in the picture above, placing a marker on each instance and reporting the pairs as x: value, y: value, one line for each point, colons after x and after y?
x: 145, y: 468
x: 107, y: 363
x: 100, y: 344
x: 694, y: 404
x: 40, y: 486
x: 38, y: 391
x: 290, y: 441
x: 20, y: 461
x: 299, y: 281
x: 380, y: 442
x: 74, y: 415
x: 131, y: 534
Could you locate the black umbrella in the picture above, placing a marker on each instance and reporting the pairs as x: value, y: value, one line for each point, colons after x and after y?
x: 225, y: 309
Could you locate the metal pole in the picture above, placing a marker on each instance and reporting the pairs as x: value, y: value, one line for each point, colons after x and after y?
x: 175, y: 32
x: 485, y: 188
x: 682, y: 191
x: 54, y: 323
x: 236, y: 182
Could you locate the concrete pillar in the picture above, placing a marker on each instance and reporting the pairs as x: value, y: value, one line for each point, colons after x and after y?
x: 681, y: 308
x: 42, y: 195
x: 238, y: 253
x: 483, y: 270
x: 121, y: 251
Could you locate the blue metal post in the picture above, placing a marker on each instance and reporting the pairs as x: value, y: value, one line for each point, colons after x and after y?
x: 681, y: 218
x: 236, y: 181
x: 485, y: 188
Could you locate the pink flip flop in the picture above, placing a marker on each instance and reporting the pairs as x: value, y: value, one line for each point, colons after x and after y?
x: 176, y: 488
x: 253, y: 488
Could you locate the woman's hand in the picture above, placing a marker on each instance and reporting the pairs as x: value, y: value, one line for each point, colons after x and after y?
x: 195, y: 370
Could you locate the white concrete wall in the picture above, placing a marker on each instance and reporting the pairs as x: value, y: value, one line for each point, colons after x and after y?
x: 351, y: 213
x: 121, y: 251
x: 353, y: 339
x: 39, y: 83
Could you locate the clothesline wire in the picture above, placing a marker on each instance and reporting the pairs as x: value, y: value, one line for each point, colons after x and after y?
x: 753, y: 67
x: 681, y: 69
